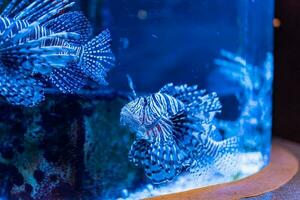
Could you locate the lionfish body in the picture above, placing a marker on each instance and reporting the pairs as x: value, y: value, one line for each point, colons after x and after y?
x: 41, y: 43
x: 174, y: 132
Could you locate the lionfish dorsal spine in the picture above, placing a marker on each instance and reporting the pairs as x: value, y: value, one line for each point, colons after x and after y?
x: 74, y: 22
x: 10, y: 7
x: 25, y: 31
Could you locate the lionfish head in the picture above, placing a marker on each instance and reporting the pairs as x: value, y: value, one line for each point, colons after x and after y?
x: 132, y: 114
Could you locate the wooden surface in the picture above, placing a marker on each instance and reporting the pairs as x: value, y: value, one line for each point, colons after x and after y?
x: 291, y: 190
x: 280, y: 171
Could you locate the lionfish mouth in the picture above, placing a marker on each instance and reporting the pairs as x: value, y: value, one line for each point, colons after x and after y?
x: 122, y: 120
x: 128, y: 120
x: 125, y: 116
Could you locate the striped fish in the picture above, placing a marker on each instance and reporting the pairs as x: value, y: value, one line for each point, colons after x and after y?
x: 174, y: 132
x: 41, y: 41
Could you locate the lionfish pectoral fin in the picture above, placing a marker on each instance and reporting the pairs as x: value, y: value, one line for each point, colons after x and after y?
x: 166, y: 162
x: 19, y: 90
x: 161, y: 162
x: 72, y: 22
x: 159, y: 174
x: 68, y: 79
x: 97, y: 58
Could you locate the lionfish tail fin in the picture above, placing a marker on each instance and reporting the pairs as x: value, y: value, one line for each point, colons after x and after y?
x: 97, y: 58
x: 227, y: 154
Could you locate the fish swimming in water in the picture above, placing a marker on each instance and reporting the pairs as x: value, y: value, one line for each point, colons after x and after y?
x: 175, y: 132
x: 41, y: 43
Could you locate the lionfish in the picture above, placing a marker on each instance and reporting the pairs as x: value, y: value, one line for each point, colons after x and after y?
x: 42, y: 43
x: 175, y: 132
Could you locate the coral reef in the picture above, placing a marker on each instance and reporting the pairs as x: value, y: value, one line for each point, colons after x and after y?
x: 106, y: 148
x: 68, y: 148
x: 254, y: 95
x: 41, y: 149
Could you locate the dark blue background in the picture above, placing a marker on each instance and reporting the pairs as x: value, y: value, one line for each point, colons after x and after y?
x: 176, y: 42
x: 162, y: 41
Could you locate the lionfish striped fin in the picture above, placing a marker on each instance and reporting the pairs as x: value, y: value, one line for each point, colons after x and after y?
x: 72, y: 22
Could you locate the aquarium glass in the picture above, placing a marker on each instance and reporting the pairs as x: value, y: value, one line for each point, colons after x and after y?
x: 128, y: 99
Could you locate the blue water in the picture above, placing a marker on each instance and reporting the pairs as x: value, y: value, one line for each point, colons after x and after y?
x: 72, y: 146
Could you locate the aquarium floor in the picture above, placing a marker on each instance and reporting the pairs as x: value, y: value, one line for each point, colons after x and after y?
x: 279, y: 180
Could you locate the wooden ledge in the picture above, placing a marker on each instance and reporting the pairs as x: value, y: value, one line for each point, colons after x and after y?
x: 282, y: 168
